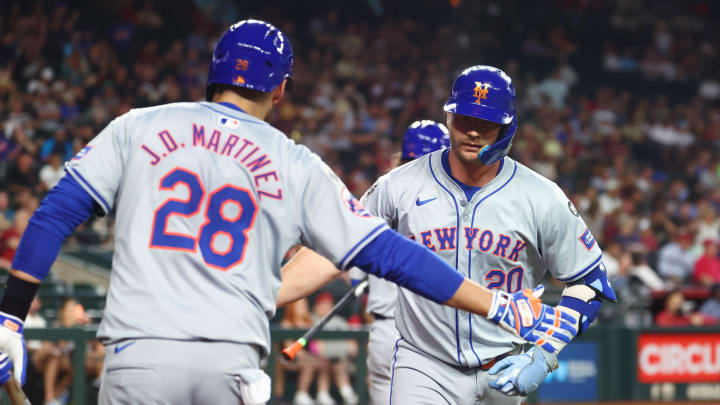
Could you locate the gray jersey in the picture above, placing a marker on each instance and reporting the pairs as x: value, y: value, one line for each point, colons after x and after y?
x: 510, y: 233
x: 208, y: 201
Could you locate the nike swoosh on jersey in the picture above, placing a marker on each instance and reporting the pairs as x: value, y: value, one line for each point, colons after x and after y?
x: 120, y: 348
x: 419, y: 202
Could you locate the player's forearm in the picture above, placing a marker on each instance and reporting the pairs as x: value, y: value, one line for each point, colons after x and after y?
x: 64, y: 208
x: 410, y: 265
x: 304, y: 274
x: 472, y: 297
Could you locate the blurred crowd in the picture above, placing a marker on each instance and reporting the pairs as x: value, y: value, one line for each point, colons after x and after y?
x: 619, y: 102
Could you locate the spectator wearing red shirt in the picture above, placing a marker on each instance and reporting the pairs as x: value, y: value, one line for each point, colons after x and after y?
x: 707, y: 267
x: 11, y: 237
x: 674, y: 314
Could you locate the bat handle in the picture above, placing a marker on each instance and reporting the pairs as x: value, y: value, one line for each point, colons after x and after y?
x: 289, y: 352
x: 15, y: 392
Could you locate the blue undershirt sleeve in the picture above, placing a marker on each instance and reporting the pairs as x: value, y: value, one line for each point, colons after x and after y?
x: 66, y: 206
x: 410, y: 265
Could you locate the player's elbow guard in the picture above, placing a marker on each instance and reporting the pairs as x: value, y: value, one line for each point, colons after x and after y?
x: 585, y: 295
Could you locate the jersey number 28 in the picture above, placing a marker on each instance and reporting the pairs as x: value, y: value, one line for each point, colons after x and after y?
x: 216, y: 223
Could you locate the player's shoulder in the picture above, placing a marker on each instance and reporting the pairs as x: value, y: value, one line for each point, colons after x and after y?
x: 162, y: 109
x: 535, y: 183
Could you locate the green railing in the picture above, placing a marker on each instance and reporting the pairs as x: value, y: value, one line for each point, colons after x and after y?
x: 80, y: 337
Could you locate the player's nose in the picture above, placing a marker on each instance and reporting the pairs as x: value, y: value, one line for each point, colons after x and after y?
x: 473, y: 133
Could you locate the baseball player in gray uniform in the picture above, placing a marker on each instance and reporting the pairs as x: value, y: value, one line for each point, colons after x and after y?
x: 496, y: 222
x: 208, y: 198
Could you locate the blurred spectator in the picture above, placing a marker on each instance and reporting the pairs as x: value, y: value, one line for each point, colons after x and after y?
x: 52, y: 172
x: 677, y: 313
x: 675, y: 259
x: 10, y: 239
x: 708, y: 225
x: 645, y: 274
x: 338, y: 351
x: 707, y: 267
x: 59, y: 144
x: 22, y: 174
x: 6, y: 214
x: 53, y: 359
x: 711, y: 306
x: 297, y: 315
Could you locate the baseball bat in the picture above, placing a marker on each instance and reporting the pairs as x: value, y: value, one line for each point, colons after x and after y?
x: 15, y: 392
x: 289, y: 352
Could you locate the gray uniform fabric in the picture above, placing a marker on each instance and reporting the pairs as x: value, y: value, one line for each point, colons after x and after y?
x: 156, y: 372
x: 381, y: 344
x: 421, y: 380
x: 208, y: 199
x: 510, y: 233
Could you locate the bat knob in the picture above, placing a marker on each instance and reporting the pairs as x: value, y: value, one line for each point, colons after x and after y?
x: 289, y: 352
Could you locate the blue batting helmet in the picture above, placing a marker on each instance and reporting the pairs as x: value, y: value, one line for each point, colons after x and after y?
x: 423, y: 137
x: 251, y: 54
x: 487, y: 93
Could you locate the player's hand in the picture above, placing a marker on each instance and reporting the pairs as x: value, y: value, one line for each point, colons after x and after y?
x: 520, y: 374
x: 12, y: 348
x: 523, y: 314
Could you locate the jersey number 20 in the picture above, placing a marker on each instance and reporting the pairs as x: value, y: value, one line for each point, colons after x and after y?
x: 216, y: 223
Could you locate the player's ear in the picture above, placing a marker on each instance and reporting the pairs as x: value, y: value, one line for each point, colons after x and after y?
x: 279, y: 92
x: 448, y: 118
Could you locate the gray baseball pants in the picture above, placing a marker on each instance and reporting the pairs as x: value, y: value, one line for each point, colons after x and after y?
x: 418, y: 379
x: 173, y: 372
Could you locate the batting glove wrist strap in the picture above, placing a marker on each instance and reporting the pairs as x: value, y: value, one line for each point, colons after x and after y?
x: 523, y: 314
x: 12, y: 346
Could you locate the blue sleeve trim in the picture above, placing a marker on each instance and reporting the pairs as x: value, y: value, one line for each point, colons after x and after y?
x: 410, y: 265
x: 355, y: 249
x: 90, y: 188
x: 584, y: 271
x: 66, y: 206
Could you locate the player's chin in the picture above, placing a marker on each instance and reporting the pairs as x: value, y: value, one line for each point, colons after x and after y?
x: 469, y: 154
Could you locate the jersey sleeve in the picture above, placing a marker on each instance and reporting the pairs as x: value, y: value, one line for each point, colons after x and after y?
x: 378, y: 201
x: 99, y: 166
x: 567, y: 246
x: 333, y: 222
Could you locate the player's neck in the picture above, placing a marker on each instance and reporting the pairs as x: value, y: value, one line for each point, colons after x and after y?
x: 256, y: 109
x: 471, y: 174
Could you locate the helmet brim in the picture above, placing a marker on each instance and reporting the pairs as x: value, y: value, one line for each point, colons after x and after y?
x: 483, y: 112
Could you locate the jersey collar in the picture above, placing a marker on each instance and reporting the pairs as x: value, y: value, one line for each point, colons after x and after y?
x: 231, y: 105
x: 505, y: 172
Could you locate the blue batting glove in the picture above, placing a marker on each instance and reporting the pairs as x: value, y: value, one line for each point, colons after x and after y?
x: 523, y: 314
x: 521, y: 374
x: 12, y: 348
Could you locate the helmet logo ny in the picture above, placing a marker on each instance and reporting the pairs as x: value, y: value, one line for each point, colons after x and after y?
x: 481, y: 90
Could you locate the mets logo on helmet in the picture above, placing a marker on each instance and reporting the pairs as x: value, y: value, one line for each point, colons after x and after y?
x: 481, y: 90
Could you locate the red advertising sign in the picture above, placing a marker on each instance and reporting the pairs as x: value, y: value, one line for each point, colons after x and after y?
x: 679, y: 357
